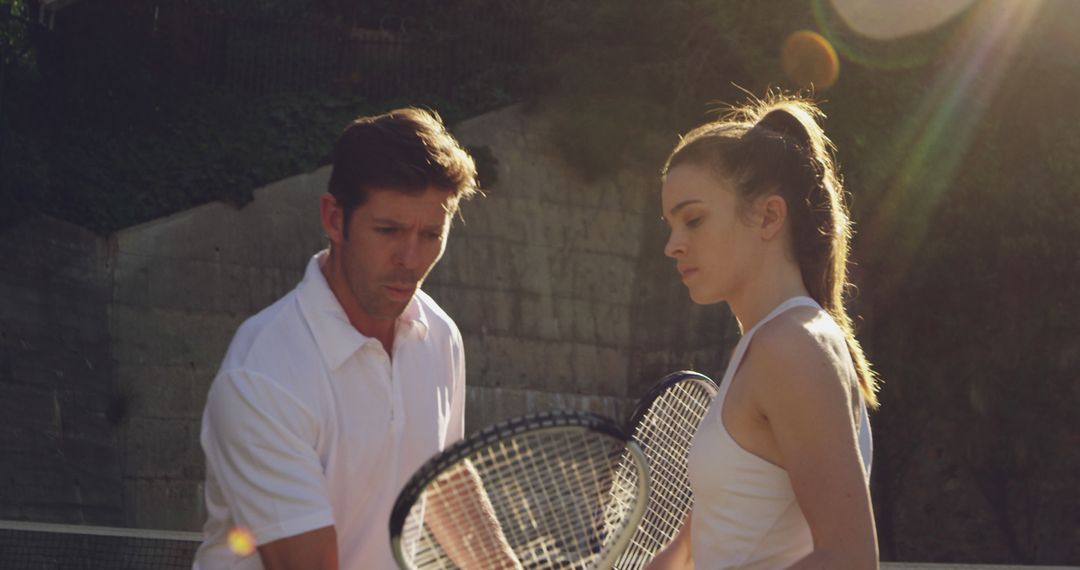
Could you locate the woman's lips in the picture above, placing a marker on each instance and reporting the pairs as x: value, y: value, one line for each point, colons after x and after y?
x: 686, y: 272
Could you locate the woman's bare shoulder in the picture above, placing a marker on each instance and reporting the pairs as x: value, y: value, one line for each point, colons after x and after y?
x: 800, y: 349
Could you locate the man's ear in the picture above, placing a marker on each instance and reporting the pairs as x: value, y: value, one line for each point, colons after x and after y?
x: 332, y: 216
x: 773, y: 212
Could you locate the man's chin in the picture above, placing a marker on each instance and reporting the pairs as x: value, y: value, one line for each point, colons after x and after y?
x: 384, y: 304
x: 391, y: 310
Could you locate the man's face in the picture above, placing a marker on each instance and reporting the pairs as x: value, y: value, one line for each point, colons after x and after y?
x: 393, y: 241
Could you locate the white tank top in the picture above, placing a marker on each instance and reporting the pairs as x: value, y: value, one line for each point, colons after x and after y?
x: 745, y: 514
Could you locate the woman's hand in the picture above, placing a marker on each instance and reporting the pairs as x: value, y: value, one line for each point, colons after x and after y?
x: 677, y: 555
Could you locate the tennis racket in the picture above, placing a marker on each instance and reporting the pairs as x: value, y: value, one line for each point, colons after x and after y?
x: 554, y: 490
x: 663, y: 425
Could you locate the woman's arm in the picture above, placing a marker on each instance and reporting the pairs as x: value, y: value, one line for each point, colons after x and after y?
x: 800, y: 387
x: 677, y: 554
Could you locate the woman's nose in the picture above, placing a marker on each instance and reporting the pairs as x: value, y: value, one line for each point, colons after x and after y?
x: 674, y: 246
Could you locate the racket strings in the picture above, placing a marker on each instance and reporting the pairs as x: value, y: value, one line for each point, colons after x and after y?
x: 665, y: 434
x: 554, y: 492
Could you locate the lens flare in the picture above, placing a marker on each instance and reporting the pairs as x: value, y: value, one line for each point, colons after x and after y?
x: 241, y: 541
x: 928, y: 152
x: 891, y: 34
x: 894, y: 19
x: 809, y: 60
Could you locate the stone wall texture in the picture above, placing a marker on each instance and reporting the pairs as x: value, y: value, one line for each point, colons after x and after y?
x: 547, y: 279
x: 181, y: 287
x: 557, y: 282
x: 60, y: 458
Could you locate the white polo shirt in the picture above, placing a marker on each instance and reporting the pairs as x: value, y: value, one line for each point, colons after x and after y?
x: 309, y: 423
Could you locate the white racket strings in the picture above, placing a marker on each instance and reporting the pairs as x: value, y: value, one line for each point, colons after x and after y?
x: 664, y: 433
x: 557, y: 497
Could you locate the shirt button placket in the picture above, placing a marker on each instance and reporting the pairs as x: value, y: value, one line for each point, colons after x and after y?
x: 388, y: 369
x: 397, y: 413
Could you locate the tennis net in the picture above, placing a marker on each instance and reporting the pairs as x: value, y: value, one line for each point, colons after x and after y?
x: 37, y: 546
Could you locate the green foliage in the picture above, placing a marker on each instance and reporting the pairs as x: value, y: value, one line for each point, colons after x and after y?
x: 627, y: 76
x: 15, y: 25
x: 213, y: 146
x: 965, y: 255
x: 963, y: 192
x: 966, y: 281
x: 128, y: 141
x: 260, y: 8
x: 26, y: 174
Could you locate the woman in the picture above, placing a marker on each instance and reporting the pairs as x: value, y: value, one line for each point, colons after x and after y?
x: 780, y: 464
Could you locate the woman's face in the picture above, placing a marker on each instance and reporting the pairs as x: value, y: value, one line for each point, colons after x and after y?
x: 713, y: 246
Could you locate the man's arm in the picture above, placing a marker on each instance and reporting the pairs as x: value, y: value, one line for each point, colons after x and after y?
x: 459, y: 512
x: 257, y: 441
x: 462, y: 519
x: 312, y: 550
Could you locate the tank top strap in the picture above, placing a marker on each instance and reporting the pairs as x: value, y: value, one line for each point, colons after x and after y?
x: 744, y: 342
x: 791, y: 303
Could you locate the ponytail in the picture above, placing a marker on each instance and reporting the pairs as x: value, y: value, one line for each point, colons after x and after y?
x: 778, y: 146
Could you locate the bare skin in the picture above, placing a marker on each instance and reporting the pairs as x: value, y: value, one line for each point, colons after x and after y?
x: 793, y: 400
x: 381, y: 259
x: 461, y: 517
x: 313, y: 550
x: 677, y: 555
x: 375, y: 266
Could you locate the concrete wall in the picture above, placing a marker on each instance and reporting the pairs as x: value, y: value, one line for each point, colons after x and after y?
x: 560, y: 286
x: 108, y: 346
x: 59, y: 421
x: 557, y: 283
x: 181, y: 287
x: 543, y: 277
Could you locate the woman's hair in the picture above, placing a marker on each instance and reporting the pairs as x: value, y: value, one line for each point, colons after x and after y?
x: 776, y: 146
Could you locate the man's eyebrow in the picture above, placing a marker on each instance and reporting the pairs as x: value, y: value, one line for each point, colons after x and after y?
x: 435, y: 227
x: 397, y: 224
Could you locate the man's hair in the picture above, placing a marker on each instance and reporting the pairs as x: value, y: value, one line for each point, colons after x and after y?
x: 405, y: 150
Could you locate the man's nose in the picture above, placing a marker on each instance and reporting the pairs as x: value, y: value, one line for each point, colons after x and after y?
x: 410, y: 254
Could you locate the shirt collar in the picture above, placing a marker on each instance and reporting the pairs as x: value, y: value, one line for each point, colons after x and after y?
x: 414, y: 318
x: 334, y: 334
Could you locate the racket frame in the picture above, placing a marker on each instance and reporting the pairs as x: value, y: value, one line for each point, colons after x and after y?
x: 646, y: 401
x: 642, y: 410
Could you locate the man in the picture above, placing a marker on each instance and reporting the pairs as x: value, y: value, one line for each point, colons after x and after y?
x: 328, y: 400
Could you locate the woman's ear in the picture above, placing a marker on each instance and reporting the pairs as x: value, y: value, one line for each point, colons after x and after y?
x: 773, y: 213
